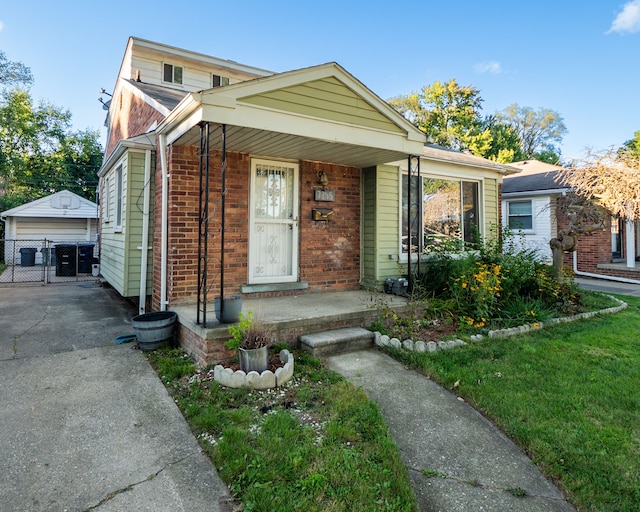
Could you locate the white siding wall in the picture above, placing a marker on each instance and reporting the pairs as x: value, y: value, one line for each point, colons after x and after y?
x: 544, y: 226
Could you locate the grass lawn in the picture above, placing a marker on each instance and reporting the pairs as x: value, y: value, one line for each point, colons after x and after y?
x: 569, y: 395
x: 315, y: 444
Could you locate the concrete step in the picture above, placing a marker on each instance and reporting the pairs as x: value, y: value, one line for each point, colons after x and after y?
x: 337, y: 341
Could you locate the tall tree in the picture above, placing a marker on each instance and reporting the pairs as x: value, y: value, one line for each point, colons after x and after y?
x: 39, y: 154
x: 14, y: 73
x: 446, y: 111
x: 540, y: 131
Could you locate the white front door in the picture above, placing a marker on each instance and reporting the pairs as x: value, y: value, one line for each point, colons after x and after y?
x: 273, y: 222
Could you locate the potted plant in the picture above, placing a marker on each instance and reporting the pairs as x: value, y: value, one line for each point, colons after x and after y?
x: 252, y: 340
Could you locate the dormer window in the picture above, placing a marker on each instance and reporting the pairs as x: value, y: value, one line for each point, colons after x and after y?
x: 220, y: 81
x: 172, y: 74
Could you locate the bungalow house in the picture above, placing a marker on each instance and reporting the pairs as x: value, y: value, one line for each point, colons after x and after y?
x: 301, y: 178
x: 529, y: 203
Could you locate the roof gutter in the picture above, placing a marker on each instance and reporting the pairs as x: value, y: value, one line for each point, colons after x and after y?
x: 144, y: 246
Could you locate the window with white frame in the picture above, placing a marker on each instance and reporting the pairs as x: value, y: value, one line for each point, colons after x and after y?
x: 441, y: 210
x: 520, y: 215
x: 119, y: 198
x: 172, y: 74
x: 219, y: 81
x: 105, y: 200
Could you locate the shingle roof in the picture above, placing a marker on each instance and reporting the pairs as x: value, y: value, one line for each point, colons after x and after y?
x: 534, y: 176
x: 166, y: 96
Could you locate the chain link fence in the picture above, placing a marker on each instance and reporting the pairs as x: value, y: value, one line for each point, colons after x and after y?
x: 47, y: 261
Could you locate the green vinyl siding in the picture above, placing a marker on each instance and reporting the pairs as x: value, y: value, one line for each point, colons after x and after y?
x: 368, y: 232
x: 380, y: 226
x: 324, y: 99
x: 121, y: 256
x: 490, y: 198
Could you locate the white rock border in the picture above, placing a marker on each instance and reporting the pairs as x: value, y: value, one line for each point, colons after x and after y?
x: 265, y: 380
x: 382, y: 340
x: 512, y: 331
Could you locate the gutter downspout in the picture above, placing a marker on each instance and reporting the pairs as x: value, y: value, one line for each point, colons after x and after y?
x: 145, y: 234
x: 162, y: 143
x: 599, y: 276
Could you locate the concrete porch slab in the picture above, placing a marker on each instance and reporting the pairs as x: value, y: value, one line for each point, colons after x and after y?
x: 289, y: 317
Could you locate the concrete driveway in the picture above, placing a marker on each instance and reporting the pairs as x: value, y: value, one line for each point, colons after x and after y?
x: 86, y: 424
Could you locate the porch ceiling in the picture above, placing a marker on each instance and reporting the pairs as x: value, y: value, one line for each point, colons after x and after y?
x: 295, y: 147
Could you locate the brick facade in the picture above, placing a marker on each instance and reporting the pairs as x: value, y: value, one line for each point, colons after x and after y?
x: 594, y: 250
x: 329, y: 250
x: 132, y: 117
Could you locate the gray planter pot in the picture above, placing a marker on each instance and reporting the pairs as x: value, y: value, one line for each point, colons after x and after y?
x: 232, y: 309
x: 254, y: 360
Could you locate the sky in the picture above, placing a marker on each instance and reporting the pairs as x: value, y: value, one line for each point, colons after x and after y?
x: 580, y: 59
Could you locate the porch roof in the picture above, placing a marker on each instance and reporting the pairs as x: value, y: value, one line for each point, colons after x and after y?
x: 320, y: 114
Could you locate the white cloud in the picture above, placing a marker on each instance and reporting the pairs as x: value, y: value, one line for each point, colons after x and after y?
x: 628, y: 20
x: 492, y: 67
x: 1, y: 25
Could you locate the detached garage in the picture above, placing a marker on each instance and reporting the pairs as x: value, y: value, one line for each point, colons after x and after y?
x: 58, y: 218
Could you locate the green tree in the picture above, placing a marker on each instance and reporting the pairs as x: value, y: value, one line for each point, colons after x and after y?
x: 14, y: 73
x: 539, y: 131
x: 446, y: 111
x: 39, y: 154
x: 450, y: 115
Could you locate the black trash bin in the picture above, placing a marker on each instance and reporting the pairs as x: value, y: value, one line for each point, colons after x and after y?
x: 85, y: 258
x: 66, y: 260
x: 28, y: 256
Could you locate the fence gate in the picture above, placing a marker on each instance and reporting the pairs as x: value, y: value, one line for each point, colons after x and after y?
x: 47, y: 261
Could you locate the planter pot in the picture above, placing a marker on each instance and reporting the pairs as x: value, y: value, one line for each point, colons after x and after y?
x: 254, y: 360
x: 154, y: 330
x: 232, y: 309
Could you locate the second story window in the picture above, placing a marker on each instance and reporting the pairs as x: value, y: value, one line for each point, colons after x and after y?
x: 220, y: 81
x: 172, y: 74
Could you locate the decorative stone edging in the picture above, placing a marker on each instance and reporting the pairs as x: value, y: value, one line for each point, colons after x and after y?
x: 382, y: 340
x: 265, y: 380
x: 512, y: 331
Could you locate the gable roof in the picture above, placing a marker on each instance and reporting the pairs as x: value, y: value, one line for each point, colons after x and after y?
x: 320, y: 113
x: 63, y: 204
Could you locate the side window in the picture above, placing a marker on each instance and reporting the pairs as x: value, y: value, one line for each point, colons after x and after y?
x: 219, y: 81
x: 172, y: 74
x: 106, y: 200
x: 119, y: 198
x: 520, y: 215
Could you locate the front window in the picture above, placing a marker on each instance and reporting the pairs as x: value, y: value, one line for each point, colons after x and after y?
x: 441, y: 210
x: 520, y: 214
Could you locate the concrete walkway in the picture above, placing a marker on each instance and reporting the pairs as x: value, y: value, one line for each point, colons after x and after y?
x: 86, y: 424
x: 474, y: 465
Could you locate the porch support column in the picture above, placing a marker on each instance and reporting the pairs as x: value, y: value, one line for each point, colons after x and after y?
x: 203, y: 225
x: 413, y: 166
x: 631, y: 243
x: 222, y: 217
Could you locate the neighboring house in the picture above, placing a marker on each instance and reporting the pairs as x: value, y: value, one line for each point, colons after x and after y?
x: 57, y: 218
x: 529, y: 206
x: 315, y: 170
